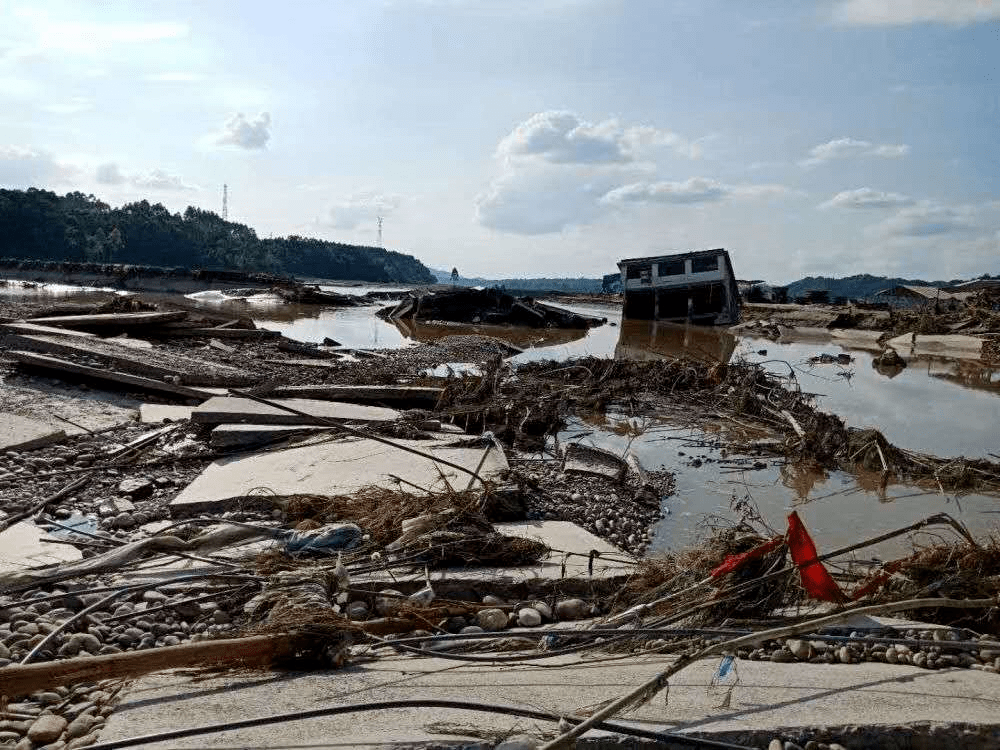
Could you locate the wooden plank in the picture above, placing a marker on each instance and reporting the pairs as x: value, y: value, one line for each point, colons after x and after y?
x: 33, y: 329
x: 52, y: 363
x: 252, y: 334
x: 126, y: 359
x: 378, y: 393
x: 113, y: 320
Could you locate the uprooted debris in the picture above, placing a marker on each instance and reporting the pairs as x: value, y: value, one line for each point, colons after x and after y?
x: 488, y: 306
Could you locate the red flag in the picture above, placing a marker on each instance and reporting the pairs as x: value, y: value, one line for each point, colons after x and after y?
x: 815, y: 578
x: 879, y: 580
x: 735, y: 562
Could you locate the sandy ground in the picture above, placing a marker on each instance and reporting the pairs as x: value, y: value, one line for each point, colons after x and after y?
x: 46, y: 400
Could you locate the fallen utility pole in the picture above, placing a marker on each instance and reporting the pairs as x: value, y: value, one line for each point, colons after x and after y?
x: 253, y: 651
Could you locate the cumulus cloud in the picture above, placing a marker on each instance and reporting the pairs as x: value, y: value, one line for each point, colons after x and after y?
x: 361, y: 208
x: 159, y: 179
x: 243, y: 132
x: 931, y: 219
x: 846, y: 148
x: 29, y: 167
x: 109, y: 174
x: 903, y: 12
x: 563, y: 137
x: 867, y: 198
x: 692, y: 190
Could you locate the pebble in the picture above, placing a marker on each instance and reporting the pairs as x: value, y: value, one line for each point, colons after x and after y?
x: 123, y: 521
x: 799, y: 648
x: 80, y: 726
x: 47, y: 728
x: 468, y: 629
x: 357, y: 610
x: 783, y: 656
x: 543, y: 609
x: 387, y: 605
x: 494, y: 600
x: 571, y: 609
x: 518, y: 742
x: 221, y: 617
x: 529, y: 617
x: 844, y: 655
x: 492, y: 619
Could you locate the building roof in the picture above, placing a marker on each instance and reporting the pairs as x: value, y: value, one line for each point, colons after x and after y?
x: 929, y: 293
x: 675, y: 256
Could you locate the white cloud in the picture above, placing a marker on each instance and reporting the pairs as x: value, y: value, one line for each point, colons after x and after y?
x: 71, y: 106
x: 361, y: 208
x: 159, y: 179
x: 867, y: 198
x: 109, y: 174
x: 692, y: 190
x: 28, y: 167
x: 175, y: 77
x: 846, y: 148
x: 930, y: 219
x: 243, y: 132
x: 902, y: 12
x: 562, y: 137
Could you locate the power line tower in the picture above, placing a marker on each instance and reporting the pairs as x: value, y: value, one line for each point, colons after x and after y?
x: 379, y: 231
x: 225, y: 202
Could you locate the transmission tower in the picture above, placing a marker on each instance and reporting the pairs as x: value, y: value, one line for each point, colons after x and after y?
x: 225, y: 202
x: 379, y: 231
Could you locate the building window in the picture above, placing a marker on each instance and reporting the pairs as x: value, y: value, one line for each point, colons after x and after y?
x: 638, y: 272
x: 700, y: 265
x: 670, y: 268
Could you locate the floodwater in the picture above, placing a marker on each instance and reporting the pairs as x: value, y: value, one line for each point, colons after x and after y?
x: 837, y: 508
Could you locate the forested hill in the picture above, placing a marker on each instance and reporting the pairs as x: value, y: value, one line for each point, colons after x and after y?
x: 862, y: 286
x: 38, y: 224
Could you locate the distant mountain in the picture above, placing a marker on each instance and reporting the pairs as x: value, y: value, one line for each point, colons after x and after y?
x: 860, y: 287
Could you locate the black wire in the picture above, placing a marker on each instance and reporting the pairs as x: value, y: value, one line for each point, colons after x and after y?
x: 676, y: 739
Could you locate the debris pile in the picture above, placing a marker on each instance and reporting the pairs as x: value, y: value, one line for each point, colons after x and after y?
x: 487, y: 306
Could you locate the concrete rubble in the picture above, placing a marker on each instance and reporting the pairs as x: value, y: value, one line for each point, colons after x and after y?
x: 365, y: 553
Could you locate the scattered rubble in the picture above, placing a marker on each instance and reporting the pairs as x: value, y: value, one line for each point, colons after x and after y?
x: 318, y: 517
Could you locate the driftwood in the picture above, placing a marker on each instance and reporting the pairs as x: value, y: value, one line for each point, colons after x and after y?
x: 253, y: 651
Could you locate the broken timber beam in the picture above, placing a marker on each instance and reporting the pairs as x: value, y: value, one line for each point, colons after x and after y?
x: 112, y: 320
x: 253, y: 651
x: 45, y: 362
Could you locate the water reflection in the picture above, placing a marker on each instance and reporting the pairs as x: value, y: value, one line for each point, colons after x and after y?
x: 522, y: 338
x: 653, y: 339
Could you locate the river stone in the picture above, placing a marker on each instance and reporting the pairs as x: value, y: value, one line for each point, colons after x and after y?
x: 357, y: 610
x: 529, y: 617
x: 571, y: 609
x: 387, y: 605
x: 494, y: 600
x: 46, y: 729
x: 783, y: 656
x: 492, y: 619
x: 123, y: 521
x: 844, y: 655
x: 543, y: 609
x: 799, y: 648
x: 518, y: 742
x: 137, y: 489
x: 79, y: 726
x: 86, y: 642
x: 4, y: 652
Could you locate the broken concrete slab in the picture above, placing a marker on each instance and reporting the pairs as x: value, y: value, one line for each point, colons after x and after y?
x: 242, y: 436
x: 21, y: 547
x: 112, y: 320
x: 948, y: 345
x: 330, y: 468
x: 64, y: 366
x: 160, y: 413
x: 327, y: 363
x: 407, y: 394
x: 234, y: 410
x: 250, y: 334
x: 21, y: 434
x: 586, y: 459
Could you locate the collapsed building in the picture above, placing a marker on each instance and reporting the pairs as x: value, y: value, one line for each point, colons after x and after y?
x: 697, y: 287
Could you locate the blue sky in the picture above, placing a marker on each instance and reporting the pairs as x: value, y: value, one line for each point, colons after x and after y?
x: 542, y: 137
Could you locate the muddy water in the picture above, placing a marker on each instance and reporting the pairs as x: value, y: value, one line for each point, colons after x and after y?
x: 837, y: 508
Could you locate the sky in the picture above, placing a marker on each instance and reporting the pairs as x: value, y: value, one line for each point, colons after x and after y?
x: 513, y: 138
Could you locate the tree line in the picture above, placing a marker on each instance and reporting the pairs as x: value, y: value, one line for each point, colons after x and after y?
x: 38, y: 224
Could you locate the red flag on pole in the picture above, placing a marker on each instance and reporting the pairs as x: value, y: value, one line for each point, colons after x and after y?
x: 815, y: 578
